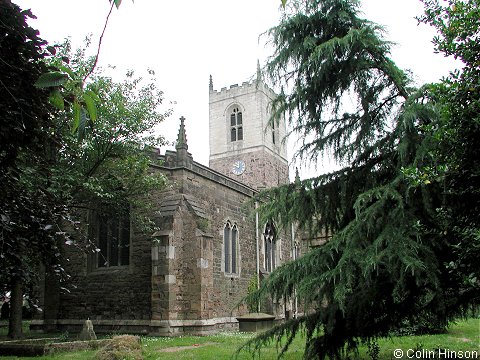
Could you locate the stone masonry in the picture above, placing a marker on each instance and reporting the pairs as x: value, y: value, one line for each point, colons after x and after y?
x: 175, y: 281
x: 265, y: 160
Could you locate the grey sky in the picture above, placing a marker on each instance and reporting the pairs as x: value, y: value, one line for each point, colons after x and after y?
x: 185, y: 41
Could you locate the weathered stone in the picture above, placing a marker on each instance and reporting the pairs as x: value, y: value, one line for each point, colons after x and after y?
x: 176, y: 276
x: 87, y: 332
x: 255, y: 322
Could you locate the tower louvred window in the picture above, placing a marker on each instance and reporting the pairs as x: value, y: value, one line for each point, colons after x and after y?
x: 236, y: 122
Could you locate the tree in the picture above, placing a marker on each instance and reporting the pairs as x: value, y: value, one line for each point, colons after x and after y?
x: 83, y: 101
x: 389, y: 261
x: 108, y: 160
x: 27, y: 210
x: 454, y: 139
x: 49, y: 172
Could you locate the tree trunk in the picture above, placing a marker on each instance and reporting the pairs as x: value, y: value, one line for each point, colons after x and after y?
x: 16, y: 303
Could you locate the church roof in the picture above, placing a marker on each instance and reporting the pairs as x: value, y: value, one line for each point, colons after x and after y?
x: 170, y: 205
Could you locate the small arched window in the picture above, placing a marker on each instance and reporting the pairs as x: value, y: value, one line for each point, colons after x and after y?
x: 230, y: 248
x: 270, y: 246
x: 236, y: 125
x: 296, y: 250
x: 273, y: 132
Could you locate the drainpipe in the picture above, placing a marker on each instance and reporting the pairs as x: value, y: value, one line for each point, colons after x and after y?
x: 294, y: 256
x: 258, y: 250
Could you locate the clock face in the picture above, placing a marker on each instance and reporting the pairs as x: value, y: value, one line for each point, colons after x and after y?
x: 238, y: 167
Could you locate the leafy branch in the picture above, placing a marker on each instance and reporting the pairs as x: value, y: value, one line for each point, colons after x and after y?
x: 63, y: 79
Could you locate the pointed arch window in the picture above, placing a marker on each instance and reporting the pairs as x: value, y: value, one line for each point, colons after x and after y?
x: 236, y: 125
x: 113, y: 239
x: 270, y: 246
x: 230, y: 248
x: 296, y: 250
x: 273, y: 132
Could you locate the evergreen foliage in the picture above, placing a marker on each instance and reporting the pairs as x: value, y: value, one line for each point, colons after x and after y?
x: 392, y: 258
x: 454, y: 139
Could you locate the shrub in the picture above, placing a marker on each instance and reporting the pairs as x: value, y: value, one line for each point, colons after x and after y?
x: 122, y: 347
x: 252, y: 304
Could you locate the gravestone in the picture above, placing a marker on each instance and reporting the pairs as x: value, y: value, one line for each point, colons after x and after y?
x: 87, y: 332
x: 255, y: 322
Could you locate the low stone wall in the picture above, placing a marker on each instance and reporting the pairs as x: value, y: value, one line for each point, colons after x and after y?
x: 142, y: 327
x: 38, y: 347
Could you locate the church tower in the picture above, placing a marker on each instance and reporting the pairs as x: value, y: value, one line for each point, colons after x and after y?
x: 242, y: 144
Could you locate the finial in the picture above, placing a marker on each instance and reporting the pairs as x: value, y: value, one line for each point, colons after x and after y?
x: 297, y: 176
x: 259, y: 72
x: 182, y: 136
x: 210, y: 85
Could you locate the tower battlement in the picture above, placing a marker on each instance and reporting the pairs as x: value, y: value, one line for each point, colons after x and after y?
x: 244, y: 145
x: 245, y: 87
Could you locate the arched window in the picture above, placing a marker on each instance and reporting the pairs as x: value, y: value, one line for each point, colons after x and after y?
x: 296, y: 250
x: 270, y: 246
x: 113, y: 239
x: 230, y: 248
x: 236, y: 125
x: 273, y: 132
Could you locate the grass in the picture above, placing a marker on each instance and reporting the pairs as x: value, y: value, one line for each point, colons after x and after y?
x: 462, y: 336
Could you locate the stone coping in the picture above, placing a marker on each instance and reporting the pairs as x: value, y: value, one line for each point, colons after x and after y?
x: 150, y: 327
x: 256, y: 317
x: 208, y: 173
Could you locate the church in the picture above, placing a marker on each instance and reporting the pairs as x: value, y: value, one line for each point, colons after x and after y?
x: 191, y: 275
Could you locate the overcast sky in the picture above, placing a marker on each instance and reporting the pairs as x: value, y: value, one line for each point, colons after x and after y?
x: 185, y: 41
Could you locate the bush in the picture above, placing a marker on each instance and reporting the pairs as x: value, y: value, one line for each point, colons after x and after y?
x: 252, y: 305
x: 126, y: 347
x: 421, y: 324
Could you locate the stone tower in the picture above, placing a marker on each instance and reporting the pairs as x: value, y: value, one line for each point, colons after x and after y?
x: 242, y: 144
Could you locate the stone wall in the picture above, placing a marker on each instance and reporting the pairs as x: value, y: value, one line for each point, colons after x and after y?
x: 175, y: 281
x: 110, y: 294
x: 262, y: 168
x: 254, y: 101
x: 266, y: 160
x: 202, y: 289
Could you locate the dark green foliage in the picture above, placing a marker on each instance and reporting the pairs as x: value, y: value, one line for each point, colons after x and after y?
x: 28, y: 211
x: 393, y: 256
x: 322, y: 53
x: 454, y: 141
x: 373, y: 350
x: 50, y: 176
x: 50, y: 79
x: 23, y: 108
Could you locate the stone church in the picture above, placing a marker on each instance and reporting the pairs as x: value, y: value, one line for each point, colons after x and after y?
x: 191, y: 275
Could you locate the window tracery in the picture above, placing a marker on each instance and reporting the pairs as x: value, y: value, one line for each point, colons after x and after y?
x: 236, y: 125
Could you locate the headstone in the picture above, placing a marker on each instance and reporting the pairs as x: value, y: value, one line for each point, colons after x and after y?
x: 87, y: 332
